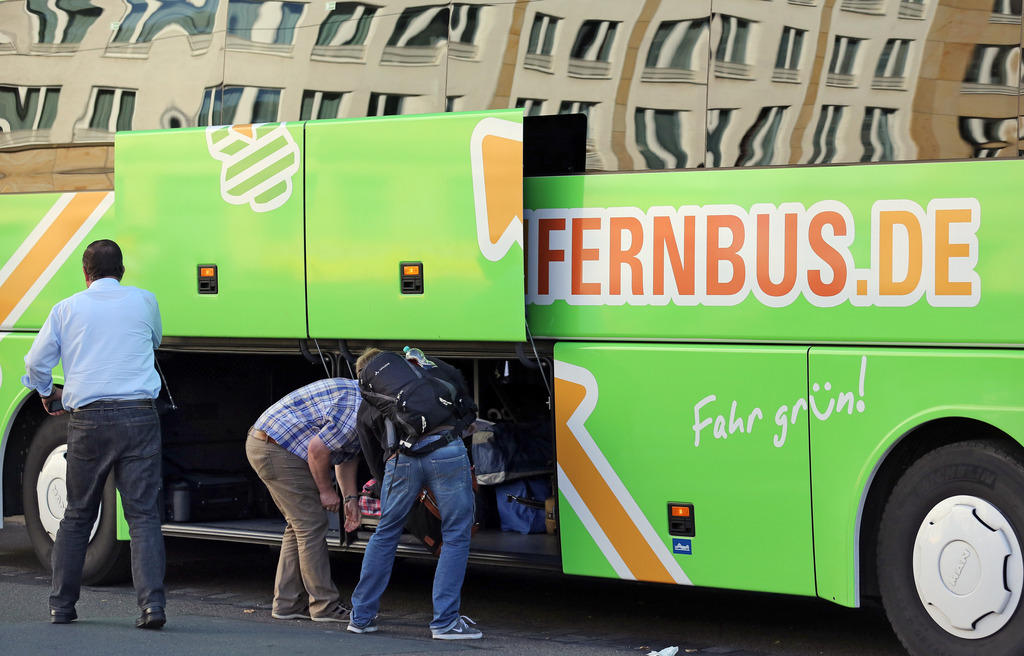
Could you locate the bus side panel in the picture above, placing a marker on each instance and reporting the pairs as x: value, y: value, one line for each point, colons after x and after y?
x: 230, y: 197
x: 43, y: 236
x: 862, y: 402
x: 722, y: 428
x: 444, y: 191
x: 783, y: 255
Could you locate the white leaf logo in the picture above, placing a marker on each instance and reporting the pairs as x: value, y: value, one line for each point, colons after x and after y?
x: 257, y: 164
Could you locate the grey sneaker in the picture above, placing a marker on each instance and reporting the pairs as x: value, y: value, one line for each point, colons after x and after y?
x: 459, y: 631
x: 301, y: 614
x: 369, y: 627
x: 336, y: 613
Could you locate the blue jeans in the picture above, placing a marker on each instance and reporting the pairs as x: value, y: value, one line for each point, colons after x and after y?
x: 126, y: 440
x: 446, y: 472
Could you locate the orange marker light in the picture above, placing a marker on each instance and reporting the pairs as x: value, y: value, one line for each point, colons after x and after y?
x: 206, y: 272
x: 680, y: 511
x: 411, y: 270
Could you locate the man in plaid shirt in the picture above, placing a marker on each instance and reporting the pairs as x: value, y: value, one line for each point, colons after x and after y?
x: 292, y: 447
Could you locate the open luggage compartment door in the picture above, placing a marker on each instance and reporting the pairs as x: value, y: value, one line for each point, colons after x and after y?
x: 414, y: 227
x: 210, y: 220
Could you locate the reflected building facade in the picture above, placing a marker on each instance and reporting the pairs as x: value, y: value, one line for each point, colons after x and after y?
x: 664, y: 84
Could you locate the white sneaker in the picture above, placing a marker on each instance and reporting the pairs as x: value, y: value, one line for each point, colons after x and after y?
x: 369, y: 627
x: 459, y: 631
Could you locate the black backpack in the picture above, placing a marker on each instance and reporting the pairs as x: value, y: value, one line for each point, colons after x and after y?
x: 418, y: 400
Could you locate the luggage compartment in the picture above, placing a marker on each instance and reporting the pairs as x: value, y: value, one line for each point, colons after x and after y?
x: 211, y: 491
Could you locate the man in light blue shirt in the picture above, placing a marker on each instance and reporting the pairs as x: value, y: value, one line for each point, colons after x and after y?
x: 105, y: 338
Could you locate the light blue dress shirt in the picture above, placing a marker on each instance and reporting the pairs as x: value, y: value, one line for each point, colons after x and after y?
x: 105, y: 336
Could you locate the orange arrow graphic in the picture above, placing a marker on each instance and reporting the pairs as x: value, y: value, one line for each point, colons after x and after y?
x: 496, y: 158
x: 614, y: 520
x: 503, y: 183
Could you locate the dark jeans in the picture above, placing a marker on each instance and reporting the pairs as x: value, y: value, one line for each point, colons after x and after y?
x: 126, y: 440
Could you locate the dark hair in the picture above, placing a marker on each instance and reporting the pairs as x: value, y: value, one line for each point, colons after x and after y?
x: 102, y: 259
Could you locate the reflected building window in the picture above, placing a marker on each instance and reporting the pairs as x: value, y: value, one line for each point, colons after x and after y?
x: 60, y: 25
x: 718, y: 124
x: 418, y: 33
x: 239, y: 105
x: 864, y: 6
x: 451, y: 103
x: 320, y: 104
x: 577, y: 107
x: 26, y: 113
x: 594, y: 160
x: 110, y: 110
x: 147, y: 19
x: 465, y: 22
x: 757, y: 147
x: 1005, y: 11
x: 343, y: 32
x: 987, y: 136
x: 787, y: 59
x: 912, y: 9
x: 892, y: 65
x: 262, y: 26
x: 731, y: 53
x: 671, y: 55
x: 825, y: 131
x: 993, y: 69
x: 591, y: 51
x: 876, y: 134
x: 659, y: 137
x: 530, y: 106
x: 842, y: 66
x: 541, y: 43
x: 385, y: 104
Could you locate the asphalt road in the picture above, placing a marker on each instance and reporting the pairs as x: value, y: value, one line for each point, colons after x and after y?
x: 219, y: 603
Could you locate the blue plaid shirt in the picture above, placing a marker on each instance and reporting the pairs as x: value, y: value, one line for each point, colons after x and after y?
x: 325, y: 409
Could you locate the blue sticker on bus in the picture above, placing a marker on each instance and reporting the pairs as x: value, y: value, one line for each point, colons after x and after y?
x: 682, y: 546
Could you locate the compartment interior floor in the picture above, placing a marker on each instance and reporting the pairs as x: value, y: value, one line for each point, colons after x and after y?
x: 488, y: 546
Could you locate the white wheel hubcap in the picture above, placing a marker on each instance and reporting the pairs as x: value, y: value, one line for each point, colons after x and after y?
x: 52, y: 492
x: 967, y: 567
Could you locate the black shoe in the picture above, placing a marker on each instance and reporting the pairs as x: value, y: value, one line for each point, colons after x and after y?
x: 62, y: 616
x: 151, y: 618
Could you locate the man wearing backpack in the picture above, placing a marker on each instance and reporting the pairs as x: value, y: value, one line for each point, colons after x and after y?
x: 425, y: 449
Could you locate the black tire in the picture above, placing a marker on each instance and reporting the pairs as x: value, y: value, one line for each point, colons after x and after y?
x: 972, y: 470
x: 107, y: 559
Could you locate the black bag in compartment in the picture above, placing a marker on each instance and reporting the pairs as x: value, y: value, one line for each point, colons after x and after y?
x: 208, y: 497
x: 509, y: 451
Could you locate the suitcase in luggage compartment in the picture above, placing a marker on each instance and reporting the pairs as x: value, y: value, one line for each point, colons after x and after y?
x: 208, y: 497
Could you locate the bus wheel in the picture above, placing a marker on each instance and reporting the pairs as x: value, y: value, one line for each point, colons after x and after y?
x: 45, y: 497
x: 950, y: 562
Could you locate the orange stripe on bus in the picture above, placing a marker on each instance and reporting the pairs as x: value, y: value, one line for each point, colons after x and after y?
x: 47, y: 248
x: 616, y: 523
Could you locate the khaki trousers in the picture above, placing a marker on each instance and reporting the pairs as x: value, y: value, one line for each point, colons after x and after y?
x: 304, y: 569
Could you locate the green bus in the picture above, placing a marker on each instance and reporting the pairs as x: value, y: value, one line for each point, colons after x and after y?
x: 822, y: 363
x: 736, y: 276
